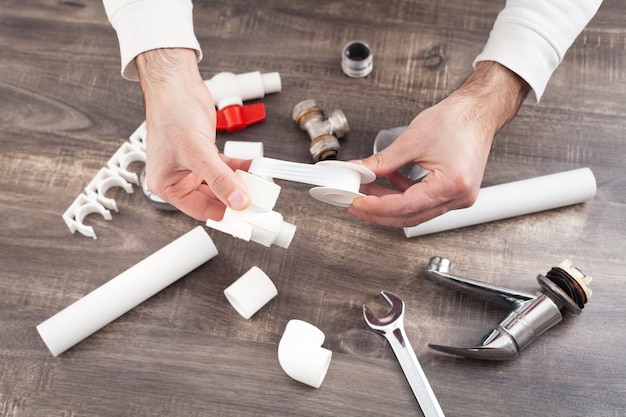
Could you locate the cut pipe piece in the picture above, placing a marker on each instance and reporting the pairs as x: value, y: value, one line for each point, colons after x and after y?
x: 301, y: 355
x: 243, y: 150
x: 127, y: 290
x: 515, y: 199
x: 250, y: 292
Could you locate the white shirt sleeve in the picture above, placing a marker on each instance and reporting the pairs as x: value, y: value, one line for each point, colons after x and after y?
x: 143, y: 25
x: 530, y: 37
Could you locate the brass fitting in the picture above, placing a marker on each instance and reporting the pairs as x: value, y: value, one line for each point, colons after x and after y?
x: 324, y: 133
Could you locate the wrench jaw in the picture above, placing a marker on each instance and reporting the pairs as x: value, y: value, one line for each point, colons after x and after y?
x: 380, y: 324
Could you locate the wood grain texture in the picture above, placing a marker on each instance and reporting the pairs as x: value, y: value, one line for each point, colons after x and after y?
x: 64, y: 110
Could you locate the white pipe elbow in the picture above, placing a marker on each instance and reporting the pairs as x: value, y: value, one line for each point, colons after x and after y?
x: 301, y: 355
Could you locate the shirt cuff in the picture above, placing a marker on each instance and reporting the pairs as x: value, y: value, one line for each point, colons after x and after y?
x: 523, y: 51
x: 145, y: 25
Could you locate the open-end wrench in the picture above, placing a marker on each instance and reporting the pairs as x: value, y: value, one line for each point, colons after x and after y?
x: 392, y: 327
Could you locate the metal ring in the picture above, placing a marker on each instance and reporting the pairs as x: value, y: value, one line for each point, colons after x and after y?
x: 357, y: 59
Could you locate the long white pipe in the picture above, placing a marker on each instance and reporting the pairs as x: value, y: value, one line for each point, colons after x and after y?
x: 515, y: 199
x: 127, y: 290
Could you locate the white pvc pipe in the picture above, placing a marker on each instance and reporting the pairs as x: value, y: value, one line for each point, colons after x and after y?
x: 301, y: 355
x: 126, y: 291
x: 515, y: 199
x: 250, y: 292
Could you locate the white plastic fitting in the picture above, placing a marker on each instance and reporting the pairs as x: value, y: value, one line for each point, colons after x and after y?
x: 125, y: 155
x: 228, y: 89
x: 515, y: 199
x: 127, y: 290
x: 104, y: 180
x: 250, y: 292
x: 81, y: 207
x: 258, y: 222
x: 243, y: 150
x: 301, y: 355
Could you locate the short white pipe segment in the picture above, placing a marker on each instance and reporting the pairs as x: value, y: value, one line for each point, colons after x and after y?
x: 251, y: 292
x: 301, y: 355
x: 243, y: 150
x: 127, y: 290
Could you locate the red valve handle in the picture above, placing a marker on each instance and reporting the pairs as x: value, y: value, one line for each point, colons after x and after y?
x: 236, y: 118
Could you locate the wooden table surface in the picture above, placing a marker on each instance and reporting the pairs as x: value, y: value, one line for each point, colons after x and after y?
x: 64, y: 110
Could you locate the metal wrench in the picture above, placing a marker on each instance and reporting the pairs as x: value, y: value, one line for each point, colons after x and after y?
x: 392, y: 327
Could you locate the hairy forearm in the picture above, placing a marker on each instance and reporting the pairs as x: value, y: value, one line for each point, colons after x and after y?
x: 161, y: 69
x: 496, y: 94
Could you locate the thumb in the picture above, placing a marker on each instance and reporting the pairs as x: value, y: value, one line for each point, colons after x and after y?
x: 389, y: 160
x: 227, y: 186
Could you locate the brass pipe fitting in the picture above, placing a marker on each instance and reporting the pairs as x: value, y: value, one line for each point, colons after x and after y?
x: 324, y: 133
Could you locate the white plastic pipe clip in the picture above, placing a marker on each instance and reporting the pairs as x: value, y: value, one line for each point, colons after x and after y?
x: 258, y: 222
x: 301, y: 355
x: 251, y: 292
x: 515, y: 199
x: 126, y: 291
x: 337, y: 182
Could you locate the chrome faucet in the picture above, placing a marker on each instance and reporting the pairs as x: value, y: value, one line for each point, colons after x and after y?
x: 564, y: 286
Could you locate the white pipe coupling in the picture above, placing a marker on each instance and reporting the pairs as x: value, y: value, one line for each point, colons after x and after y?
x: 301, y: 355
x: 250, y: 292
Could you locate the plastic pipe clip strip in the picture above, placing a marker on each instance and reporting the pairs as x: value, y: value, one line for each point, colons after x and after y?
x: 115, y: 174
x: 337, y: 182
